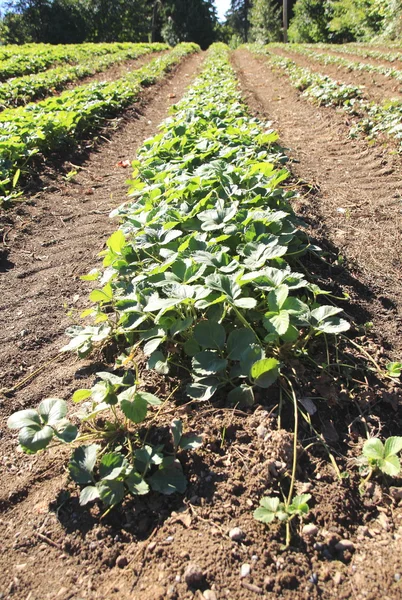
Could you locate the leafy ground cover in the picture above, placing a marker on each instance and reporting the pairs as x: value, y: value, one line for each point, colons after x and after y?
x: 21, y: 90
x: 370, y: 118
x: 59, y: 122
x: 34, y: 58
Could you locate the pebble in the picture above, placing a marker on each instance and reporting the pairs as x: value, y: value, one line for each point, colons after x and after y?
x: 151, y: 546
x: 209, y: 595
x: 337, y: 578
x: 62, y: 591
x: 261, y: 431
x: 193, y: 575
x: 310, y: 530
x: 121, y: 562
x: 245, y: 570
x: 344, y: 545
x: 396, y: 493
x: 236, y: 534
x: 397, y: 576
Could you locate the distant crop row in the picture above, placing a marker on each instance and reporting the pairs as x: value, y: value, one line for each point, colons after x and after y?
x: 20, y: 90
x: 350, y: 65
x: 357, y: 49
x: 54, y: 123
x: 30, y: 60
x: 371, y: 118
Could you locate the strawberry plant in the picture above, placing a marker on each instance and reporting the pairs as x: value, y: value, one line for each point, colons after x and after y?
x: 379, y: 456
x: 110, y: 416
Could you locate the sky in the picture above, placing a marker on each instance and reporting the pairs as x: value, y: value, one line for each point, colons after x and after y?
x: 222, y: 6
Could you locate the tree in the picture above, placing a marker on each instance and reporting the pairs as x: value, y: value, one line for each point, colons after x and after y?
x: 238, y: 18
x: 265, y: 21
x: 189, y: 20
x: 356, y: 19
x: 311, y: 21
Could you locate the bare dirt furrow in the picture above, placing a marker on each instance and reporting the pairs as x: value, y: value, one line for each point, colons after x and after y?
x: 358, y: 207
x: 378, y: 88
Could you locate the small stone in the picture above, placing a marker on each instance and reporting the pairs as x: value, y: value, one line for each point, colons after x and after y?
x: 245, y: 570
x: 261, y: 431
x: 62, y: 591
x: 344, y: 545
x: 21, y: 566
x: 396, y: 493
x: 236, y: 534
x: 337, y: 578
x: 310, y: 530
x: 209, y: 595
x: 397, y: 576
x: 121, y: 562
x: 193, y: 575
x: 151, y: 546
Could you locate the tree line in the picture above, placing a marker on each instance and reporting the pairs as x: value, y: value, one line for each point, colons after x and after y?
x: 174, y: 21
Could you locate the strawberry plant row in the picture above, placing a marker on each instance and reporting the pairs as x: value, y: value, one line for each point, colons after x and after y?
x: 53, y: 123
x: 357, y: 49
x: 350, y: 65
x: 371, y: 118
x: 34, y: 60
x: 21, y: 90
x: 203, y: 275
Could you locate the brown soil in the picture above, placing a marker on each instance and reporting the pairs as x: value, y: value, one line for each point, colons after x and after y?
x: 377, y: 87
x: 358, y: 204
x: 53, y: 549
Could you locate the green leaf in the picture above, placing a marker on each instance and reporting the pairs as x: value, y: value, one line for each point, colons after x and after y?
x: 169, y: 479
x: 209, y: 334
x: 245, y: 303
x: 203, y: 389
x: 24, y: 418
x: 300, y: 504
x: 136, y: 484
x: 394, y: 369
x: 373, y: 448
x: 149, y: 398
x: 111, y: 492
x: 278, y: 323
x: 324, y: 312
x: 390, y: 465
x: 208, y: 362
x: 277, y: 297
x: 238, y: 342
x: 191, y: 347
x: 265, y: 372
x: 88, y: 494
x: 241, y: 396
x: 35, y: 437
x: 190, y: 441
x: 176, y: 428
x: 67, y: 433
x: 158, y: 362
x: 136, y: 410
x: 52, y: 410
x: 80, y: 395
x: 116, y: 242
x: 253, y: 353
x: 82, y: 463
x: 392, y: 445
x: 267, y: 510
x: 112, y: 465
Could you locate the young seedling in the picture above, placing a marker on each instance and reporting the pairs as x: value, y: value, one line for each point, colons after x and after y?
x: 377, y: 456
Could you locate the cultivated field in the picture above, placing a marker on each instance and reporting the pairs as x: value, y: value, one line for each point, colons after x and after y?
x: 221, y: 353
